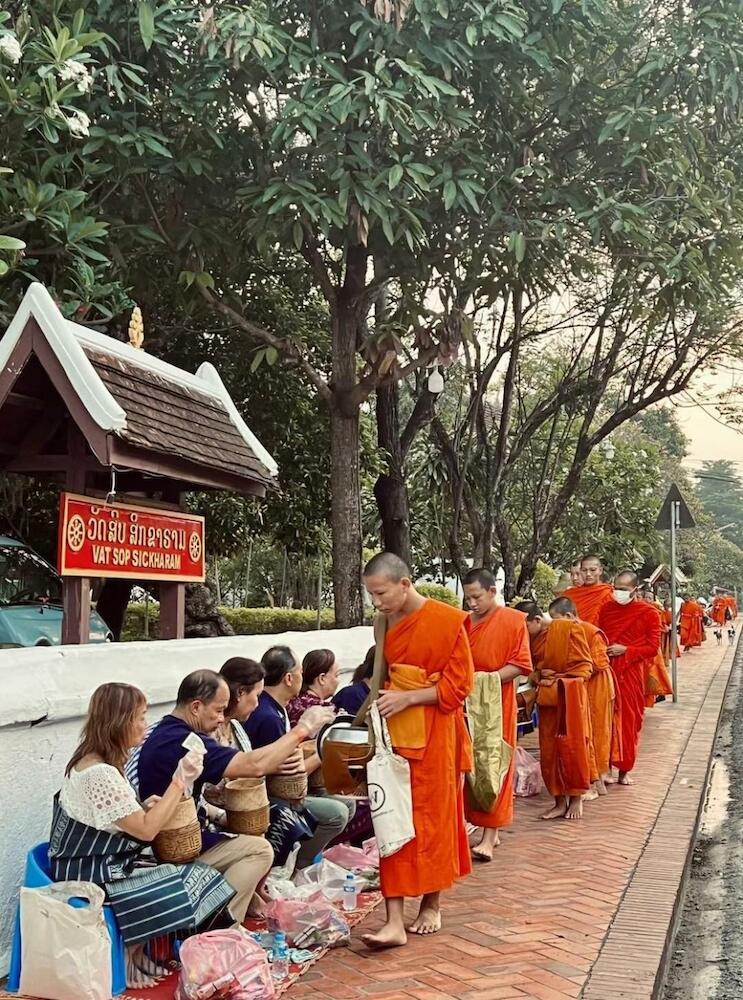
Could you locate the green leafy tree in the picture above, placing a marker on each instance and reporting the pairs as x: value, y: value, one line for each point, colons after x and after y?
x: 720, y: 490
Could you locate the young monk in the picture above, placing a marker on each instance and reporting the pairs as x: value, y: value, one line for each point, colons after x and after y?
x: 430, y: 676
x: 601, y: 692
x: 576, y: 573
x: 633, y: 631
x: 500, y: 643
x: 589, y: 597
x: 691, y: 619
x: 560, y: 653
x: 657, y: 680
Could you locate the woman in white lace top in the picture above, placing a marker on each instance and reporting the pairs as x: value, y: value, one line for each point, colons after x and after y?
x: 96, y: 794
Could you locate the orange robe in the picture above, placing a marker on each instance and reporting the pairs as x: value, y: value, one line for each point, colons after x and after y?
x: 637, y: 626
x: 691, y: 619
x: 434, y: 639
x: 497, y: 640
x: 718, y: 610
x: 562, y: 647
x: 601, y: 698
x: 668, y: 636
x: 589, y: 600
x: 657, y: 679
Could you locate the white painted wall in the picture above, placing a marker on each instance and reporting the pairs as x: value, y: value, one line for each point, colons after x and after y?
x: 44, y: 697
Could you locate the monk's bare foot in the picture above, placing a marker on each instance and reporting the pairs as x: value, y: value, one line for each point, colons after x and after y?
x: 558, y: 810
x: 484, y: 850
x: 624, y: 778
x: 590, y: 795
x: 609, y: 778
x: 575, y: 807
x: 600, y: 787
x: 391, y: 935
x: 428, y: 921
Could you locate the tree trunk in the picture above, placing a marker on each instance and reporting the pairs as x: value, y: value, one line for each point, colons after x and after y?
x: 390, y: 489
x: 345, y: 474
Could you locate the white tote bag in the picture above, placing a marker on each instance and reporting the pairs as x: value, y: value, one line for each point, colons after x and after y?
x: 65, y: 950
x: 390, y: 797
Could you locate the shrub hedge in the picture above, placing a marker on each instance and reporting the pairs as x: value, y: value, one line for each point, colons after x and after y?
x: 264, y: 621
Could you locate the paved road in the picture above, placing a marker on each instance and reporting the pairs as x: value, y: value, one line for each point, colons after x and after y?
x: 707, y: 962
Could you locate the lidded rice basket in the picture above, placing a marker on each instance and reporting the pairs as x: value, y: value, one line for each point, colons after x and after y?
x: 179, y: 841
x: 246, y: 804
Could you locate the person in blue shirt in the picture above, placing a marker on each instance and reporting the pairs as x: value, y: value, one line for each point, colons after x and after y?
x: 270, y: 722
x: 200, y: 706
x: 350, y: 698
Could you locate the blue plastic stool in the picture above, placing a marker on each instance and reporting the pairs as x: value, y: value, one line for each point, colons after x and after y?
x: 37, y: 876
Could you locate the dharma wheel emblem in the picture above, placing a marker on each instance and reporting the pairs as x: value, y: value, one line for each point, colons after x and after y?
x: 194, y: 546
x: 76, y: 533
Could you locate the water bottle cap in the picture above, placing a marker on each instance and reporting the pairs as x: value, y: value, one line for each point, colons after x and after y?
x: 349, y: 875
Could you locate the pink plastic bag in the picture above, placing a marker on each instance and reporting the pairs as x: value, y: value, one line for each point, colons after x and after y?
x: 353, y: 859
x: 307, y: 924
x: 527, y: 774
x: 223, y: 965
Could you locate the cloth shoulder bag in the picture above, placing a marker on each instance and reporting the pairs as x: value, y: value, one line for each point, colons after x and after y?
x: 390, y: 794
x: 65, y: 949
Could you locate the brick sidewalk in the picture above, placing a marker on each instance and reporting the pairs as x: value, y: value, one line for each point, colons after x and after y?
x: 531, y: 925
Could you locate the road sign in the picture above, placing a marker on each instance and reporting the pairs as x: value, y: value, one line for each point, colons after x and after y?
x: 684, y: 518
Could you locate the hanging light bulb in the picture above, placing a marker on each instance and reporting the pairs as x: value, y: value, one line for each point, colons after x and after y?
x: 435, y: 381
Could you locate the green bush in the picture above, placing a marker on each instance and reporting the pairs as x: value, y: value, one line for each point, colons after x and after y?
x: 269, y: 621
x: 245, y: 621
x: 439, y: 593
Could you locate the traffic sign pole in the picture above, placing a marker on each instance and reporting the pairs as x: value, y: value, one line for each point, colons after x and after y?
x: 675, y: 510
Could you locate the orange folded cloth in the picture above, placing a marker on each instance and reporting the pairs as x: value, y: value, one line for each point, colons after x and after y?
x: 411, y: 728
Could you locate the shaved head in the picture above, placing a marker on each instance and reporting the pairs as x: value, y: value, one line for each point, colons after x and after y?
x: 389, y: 565
x: 387, y: 581
x: 591, y: 557
x: 592, y: 569
x: 627, y: 578
x: 561, y: 607
x: 531, y: 609
x: 482, y: 576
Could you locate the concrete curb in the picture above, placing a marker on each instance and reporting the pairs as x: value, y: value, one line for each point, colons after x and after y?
x: 633, y: 961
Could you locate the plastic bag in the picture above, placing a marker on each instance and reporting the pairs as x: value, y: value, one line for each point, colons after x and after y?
x: 65, y: 950
x: 353, y: 859
x: 527, y: 774
x: 283, y: 888
x: 307, y: 924
x: 330, y: 879
x: 223, y: 965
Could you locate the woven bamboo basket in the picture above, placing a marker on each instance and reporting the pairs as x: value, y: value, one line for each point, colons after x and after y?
x: 180, y: 839
x: 245, y: 794
x: 246, y: 803
x: 315, y: 780
x: 291, y: 787
x: 252, y: 821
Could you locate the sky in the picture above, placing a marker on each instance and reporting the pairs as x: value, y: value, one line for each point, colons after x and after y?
x: 710, y: 435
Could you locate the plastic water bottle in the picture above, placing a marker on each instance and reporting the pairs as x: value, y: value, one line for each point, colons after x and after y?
x: 280, y: 963
x: 349, y: 893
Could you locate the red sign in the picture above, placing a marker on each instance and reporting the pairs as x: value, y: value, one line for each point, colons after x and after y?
x: 139, y: 543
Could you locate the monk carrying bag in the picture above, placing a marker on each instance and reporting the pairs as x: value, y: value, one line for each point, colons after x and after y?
x: 390, y: 794
x: 347, y: 745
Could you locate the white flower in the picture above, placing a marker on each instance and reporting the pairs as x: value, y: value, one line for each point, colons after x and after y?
x: 78, y: 73
x: 78, y: 124
x: 10, y: 48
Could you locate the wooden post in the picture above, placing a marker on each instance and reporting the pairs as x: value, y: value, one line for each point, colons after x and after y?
x: 172, y: 610
x: 75, y: 590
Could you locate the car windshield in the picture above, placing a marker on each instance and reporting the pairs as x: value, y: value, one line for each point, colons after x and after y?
x: 26, y: 579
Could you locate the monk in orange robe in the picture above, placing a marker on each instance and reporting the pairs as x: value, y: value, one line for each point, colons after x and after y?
x: 560, y: 652
x: 717, y: 614
x: 691, y: 619
x: 633, y: 631
x: 427, y: 726
x: 601, y: 694
x: 589, y: 597
x: 668, y: 636
x: 657, y: 680
x: 500, y: 642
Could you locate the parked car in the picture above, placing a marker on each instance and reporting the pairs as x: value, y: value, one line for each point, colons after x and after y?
x: 31, y: 600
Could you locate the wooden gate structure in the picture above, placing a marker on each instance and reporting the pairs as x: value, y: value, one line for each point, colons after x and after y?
x: 107, y: 420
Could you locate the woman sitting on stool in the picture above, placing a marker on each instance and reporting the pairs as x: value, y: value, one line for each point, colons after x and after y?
x: 100, y: 832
